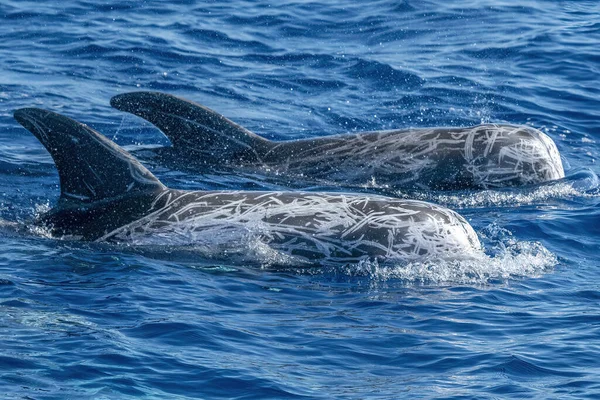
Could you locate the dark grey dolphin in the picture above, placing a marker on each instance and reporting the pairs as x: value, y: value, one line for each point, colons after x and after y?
x: 483, y: 156
x: 108, y: 196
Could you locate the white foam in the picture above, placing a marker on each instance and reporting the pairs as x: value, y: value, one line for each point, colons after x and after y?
x: 525, y: 259
x: 40, y: 230
x: 505, y: 258
x: 501, y: 198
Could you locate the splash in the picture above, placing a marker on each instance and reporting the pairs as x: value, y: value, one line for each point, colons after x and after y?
x: 578, y: 185
x: 506, y: 258
x: 493, y: 198
x: 40, y: 230
x: 524, y: 259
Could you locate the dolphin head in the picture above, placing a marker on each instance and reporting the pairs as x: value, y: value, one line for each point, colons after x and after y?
x: 501, y: 155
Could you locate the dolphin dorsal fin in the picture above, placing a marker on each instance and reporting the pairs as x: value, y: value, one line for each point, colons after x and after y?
x: 193, y: 128
x: 91, y: 167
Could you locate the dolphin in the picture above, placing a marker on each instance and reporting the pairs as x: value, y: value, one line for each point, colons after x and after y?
x: 107, y: 196
x: 477, y: 157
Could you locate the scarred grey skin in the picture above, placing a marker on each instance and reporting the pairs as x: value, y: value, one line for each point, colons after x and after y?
x: 108, y: 196
x: 478, y: 157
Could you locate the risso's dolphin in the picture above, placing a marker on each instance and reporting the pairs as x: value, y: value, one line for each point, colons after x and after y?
x: 483, y: 156
x: 108, y: 196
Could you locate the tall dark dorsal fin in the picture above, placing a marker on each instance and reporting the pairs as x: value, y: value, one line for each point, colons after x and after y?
x: 194, y: 128
x: 91, y: 167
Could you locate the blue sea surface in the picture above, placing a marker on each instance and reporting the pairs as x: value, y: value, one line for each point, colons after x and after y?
x: 85, y: 321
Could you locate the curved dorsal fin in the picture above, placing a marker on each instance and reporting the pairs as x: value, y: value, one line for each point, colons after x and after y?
x: 91, y: 167
x: 193, y: 128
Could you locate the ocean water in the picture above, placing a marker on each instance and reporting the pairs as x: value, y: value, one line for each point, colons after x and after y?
x: 81, y: 321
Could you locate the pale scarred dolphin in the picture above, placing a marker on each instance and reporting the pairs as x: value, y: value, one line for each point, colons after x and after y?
x: 108, y: 196
x: 483, y: 156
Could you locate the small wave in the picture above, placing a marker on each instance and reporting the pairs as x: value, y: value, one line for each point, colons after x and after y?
x: 36, y: 318
x: 522, y: 368
x: 384, y: 76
